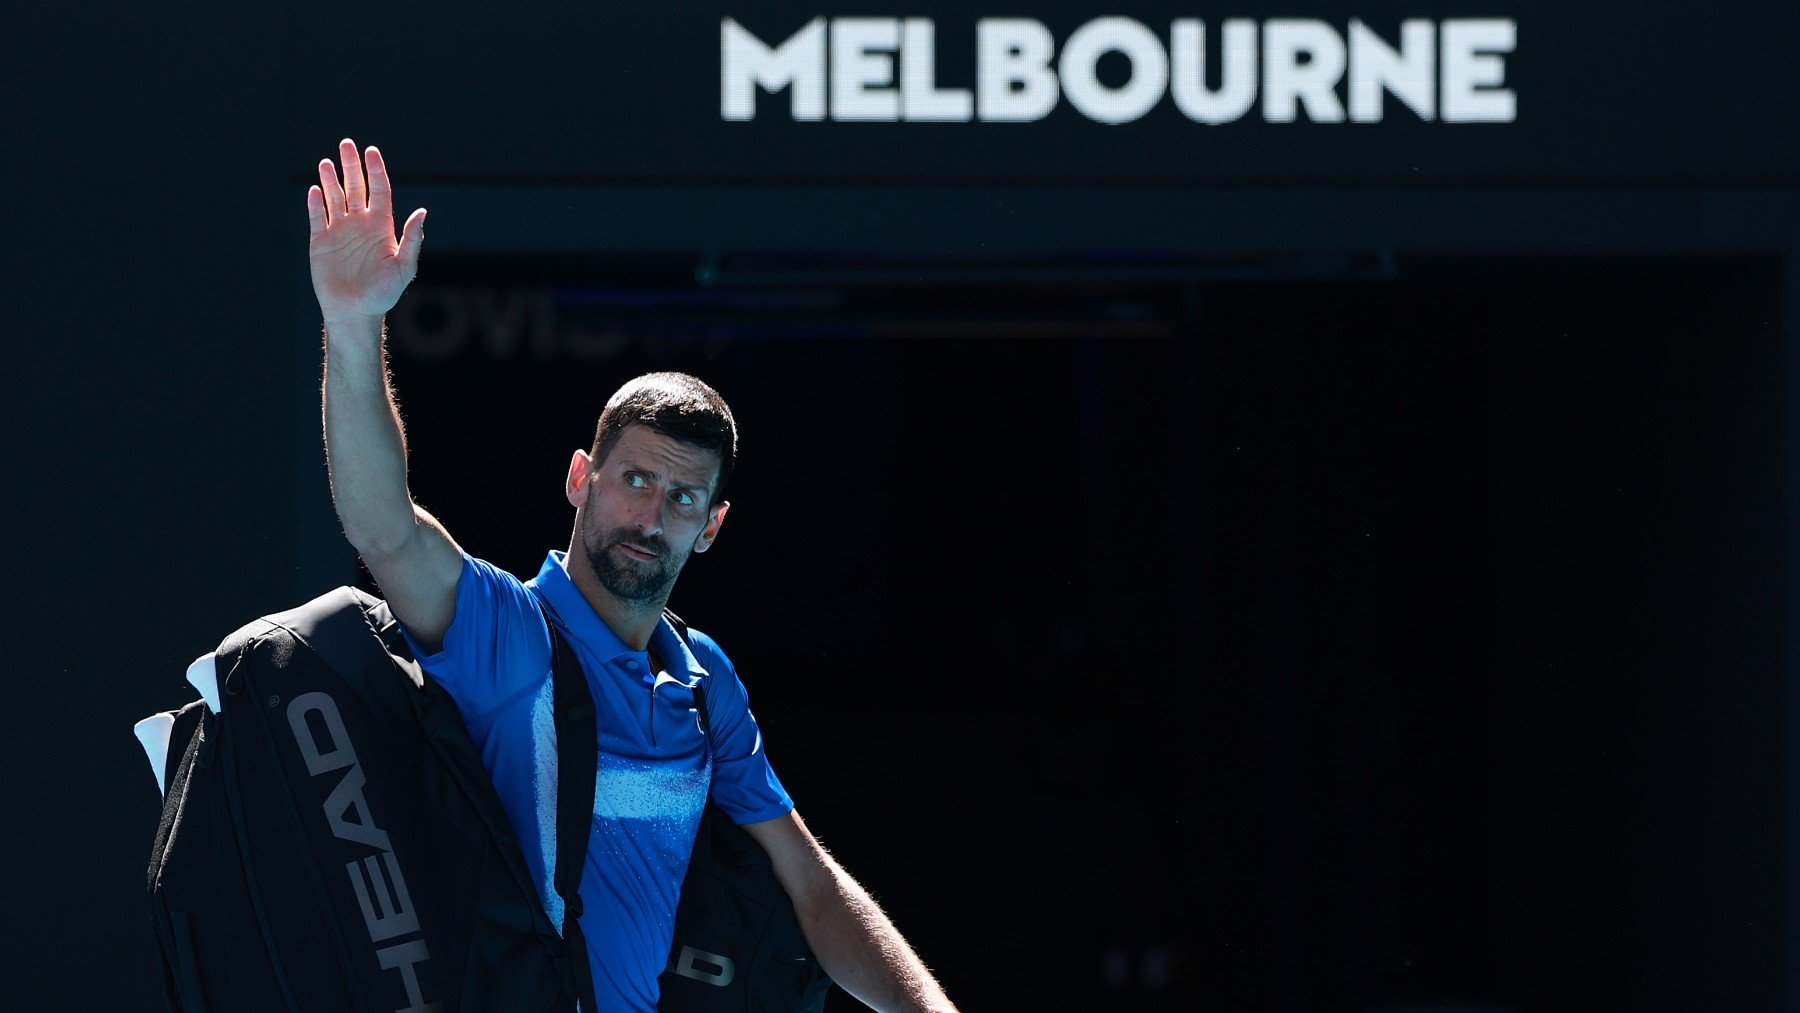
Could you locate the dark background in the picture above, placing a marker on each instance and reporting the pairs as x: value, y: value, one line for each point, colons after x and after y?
x: 1258, y: 567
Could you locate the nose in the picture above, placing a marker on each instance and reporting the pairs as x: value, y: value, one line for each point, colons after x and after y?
x: 648, y: 521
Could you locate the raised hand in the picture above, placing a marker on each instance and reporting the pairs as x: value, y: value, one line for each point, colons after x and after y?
x: 358, y: 268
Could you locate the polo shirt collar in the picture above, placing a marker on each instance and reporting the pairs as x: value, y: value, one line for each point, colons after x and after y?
x: 586, y: 626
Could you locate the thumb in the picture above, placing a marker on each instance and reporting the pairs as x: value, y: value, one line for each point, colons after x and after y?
x: 412, y: 237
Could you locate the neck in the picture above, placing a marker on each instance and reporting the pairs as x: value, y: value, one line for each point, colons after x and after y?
x: 631, y: 621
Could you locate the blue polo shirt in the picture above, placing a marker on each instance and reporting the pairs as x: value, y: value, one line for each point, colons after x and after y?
x: 654, y: 769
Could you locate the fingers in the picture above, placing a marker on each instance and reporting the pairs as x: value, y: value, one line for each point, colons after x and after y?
x: 315, y: 211
x: 381, y: 200
x: 412, y: 237
x: 356, y: 195
x: 332, y: 193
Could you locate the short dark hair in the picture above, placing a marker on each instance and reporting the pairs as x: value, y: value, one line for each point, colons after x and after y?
x: 676, y: 405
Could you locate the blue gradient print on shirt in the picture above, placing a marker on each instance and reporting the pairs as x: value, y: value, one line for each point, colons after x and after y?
x: 645, y: 811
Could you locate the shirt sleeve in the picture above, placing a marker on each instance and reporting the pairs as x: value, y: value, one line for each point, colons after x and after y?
x: 496, y: 647
x: 743, y: 782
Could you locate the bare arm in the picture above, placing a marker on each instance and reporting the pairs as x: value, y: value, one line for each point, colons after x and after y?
x: 359, y: 270
x: 856, y: 943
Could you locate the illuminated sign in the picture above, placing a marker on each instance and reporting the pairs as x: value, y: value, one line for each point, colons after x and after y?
x: 884, y: 70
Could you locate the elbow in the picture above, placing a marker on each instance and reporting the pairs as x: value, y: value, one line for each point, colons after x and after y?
x: 819, y: 890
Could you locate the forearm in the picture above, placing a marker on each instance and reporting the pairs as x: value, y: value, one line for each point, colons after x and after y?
x: 365, y: 445
x: 861, y: 949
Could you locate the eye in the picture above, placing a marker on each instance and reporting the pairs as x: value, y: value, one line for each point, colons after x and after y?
x: 635, y: 480
x: 684, y: 497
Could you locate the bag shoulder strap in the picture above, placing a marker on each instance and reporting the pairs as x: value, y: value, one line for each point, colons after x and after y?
x: 703, y: 833
x: 577, y: 759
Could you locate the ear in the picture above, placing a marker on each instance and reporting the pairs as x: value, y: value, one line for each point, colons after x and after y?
x: 575, y: 485
x: 711, y: 531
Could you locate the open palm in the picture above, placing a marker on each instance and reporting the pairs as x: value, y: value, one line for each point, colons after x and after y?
x: 359, y: 268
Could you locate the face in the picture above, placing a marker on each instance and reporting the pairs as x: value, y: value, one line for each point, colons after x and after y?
x: 644, y: 511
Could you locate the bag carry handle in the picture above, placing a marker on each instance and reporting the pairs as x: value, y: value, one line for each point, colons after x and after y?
x: 578, y: 757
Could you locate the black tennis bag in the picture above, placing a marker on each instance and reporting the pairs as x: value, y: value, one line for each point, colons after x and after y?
x: 330, y: 840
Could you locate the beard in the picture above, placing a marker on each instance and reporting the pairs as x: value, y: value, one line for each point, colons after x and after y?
x: 629, y: 579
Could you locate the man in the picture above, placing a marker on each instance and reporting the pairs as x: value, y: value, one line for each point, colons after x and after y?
x: 645, y: 497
